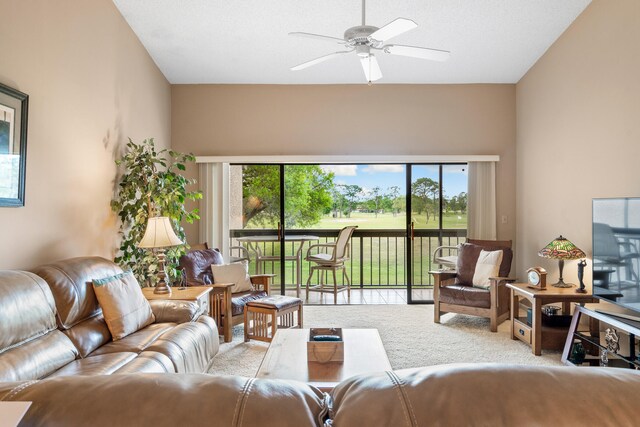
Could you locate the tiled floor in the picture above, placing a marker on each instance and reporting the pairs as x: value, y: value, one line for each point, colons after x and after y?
x: 365, y: 296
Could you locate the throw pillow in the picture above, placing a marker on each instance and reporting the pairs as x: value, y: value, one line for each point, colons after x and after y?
x: 488, y: 265
x: 196, y: 266
x: 124, y: 307
x: 236, y: 273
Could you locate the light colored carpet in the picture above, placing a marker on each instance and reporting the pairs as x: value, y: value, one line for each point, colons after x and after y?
x: 408, y: 333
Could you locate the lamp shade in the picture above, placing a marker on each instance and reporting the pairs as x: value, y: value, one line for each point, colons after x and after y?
x: 159, y: 234
x: 561, y: 248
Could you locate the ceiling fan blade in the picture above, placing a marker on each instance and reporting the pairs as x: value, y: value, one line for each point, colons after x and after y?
x: 393, y: 28
x: 318, y: 36
x: 318, y: 60
x: 417, y: 52
x: 371, y: 68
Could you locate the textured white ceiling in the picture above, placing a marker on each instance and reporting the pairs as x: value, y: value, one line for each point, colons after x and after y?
x: 246, y: 41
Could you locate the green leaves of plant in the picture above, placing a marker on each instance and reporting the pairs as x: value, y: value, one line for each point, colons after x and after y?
x: 151, y: 185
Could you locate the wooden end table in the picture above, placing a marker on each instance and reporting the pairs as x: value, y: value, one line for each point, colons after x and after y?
x: 539, y: 336
x: 197, y: 294
x: 286, y: 358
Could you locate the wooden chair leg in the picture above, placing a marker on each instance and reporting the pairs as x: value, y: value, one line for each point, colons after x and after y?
x: 300, y: 316
x: 335, y: 287
x: 436, y: 302
x: 247, y: 325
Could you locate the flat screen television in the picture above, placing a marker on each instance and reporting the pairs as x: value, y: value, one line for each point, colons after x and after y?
x: 616, y: 252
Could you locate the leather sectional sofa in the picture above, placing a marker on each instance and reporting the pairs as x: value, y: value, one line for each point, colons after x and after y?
x: 448, y: 395
x: 51, y: 325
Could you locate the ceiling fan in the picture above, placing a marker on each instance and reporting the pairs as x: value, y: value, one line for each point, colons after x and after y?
x: 366, y: 39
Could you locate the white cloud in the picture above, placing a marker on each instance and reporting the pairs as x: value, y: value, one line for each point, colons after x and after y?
x: 341, y: 170
x: 384, y: 168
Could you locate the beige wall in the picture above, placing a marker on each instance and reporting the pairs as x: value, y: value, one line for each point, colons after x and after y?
x: 351, y: 119
x: 91, y: 85
x: 578, y: 137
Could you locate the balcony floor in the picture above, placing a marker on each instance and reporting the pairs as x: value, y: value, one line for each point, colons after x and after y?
x: 365, y: 296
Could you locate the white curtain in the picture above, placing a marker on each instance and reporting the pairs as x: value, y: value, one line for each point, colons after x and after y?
x: 214, y: 206
x: 481, y: 201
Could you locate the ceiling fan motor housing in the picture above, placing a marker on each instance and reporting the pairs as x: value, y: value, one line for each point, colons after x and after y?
x: 359, y: 37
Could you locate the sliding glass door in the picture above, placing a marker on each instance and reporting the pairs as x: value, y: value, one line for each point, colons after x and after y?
x: 436, y: 222
x: 255, y: 218
x: 403, y: 213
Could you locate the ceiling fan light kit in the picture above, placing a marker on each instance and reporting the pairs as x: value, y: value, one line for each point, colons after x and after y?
x: 364, y: 38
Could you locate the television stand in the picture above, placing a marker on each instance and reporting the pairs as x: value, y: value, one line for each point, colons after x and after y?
x: 604, y: 339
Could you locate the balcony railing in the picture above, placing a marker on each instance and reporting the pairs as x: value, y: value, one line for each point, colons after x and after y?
x: 377, y: 257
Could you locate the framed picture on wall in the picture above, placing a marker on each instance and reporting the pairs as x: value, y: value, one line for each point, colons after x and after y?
x: 13, y: 145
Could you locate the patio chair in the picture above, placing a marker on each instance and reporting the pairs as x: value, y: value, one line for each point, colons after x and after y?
x: 332, y: 260
x: 454, y: 292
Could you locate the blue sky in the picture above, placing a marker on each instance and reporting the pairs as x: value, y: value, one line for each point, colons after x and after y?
x: 385, y: 176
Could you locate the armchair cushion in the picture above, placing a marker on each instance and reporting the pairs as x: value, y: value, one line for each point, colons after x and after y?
x: 124, y: 307
x: 236, y: 273
x: 488, y: 265
x: 468, y: 257
x: 465, y: 295
x: 239, y: 300
x: 197, y: 266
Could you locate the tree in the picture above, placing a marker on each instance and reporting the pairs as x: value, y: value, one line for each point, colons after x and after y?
x: 308, y: 195
x: 393, y: 194
x: 422, y: 189
x: 351, y: 193
x: 375, y: 191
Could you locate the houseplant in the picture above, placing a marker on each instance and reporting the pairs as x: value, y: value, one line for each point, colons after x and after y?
x: 151, y: 184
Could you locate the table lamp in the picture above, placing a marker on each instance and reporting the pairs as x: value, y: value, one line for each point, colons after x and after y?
x: 561, y: 249
x: 159, y: 235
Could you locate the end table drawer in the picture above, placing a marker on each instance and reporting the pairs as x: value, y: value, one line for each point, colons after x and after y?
x: 522, y: 331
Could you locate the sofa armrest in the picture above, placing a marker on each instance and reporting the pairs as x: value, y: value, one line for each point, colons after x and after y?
x: 175, y: 311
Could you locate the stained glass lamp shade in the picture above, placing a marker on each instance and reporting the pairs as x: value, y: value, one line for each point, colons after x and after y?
x: 561, y: 249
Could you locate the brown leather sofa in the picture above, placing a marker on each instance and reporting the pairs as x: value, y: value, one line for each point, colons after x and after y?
x: 51, y: 325
x: 446, y: 395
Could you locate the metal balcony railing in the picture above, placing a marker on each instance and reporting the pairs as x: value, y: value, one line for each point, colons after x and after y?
x: 378, y: 257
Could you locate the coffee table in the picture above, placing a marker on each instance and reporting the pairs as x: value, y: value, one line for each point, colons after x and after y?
x: 286, y: 358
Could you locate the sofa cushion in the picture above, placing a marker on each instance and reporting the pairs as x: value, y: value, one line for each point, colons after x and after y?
x: 468, y: 256
x: 161, y: 400
x: 148, y: 362
x: 104, y: 364
x: 197, y: 266
x: 137, y: 341
x: 465, y: 295
x: 239, y: 300
x: 37, y: 358
x: 27, y: 308
x: 489, y: 395
x: 124, y: 307
x: 189, y: 346
x: 487, y: 266
x: 89, y: 335
x: 236, y: 273
x: 70, y: 281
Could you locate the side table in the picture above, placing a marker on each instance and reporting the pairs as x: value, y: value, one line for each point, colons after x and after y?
x: 197, y: 294
x: 537, y: 335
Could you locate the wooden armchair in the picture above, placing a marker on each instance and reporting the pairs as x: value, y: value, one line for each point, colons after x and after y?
x: 225, y: 307
x: 453, y: 291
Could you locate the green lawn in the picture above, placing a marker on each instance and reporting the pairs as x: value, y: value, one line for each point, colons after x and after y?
x: 388, y: 221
